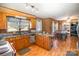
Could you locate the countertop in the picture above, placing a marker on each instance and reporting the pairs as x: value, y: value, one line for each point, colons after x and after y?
x: 5, y: 35
x: 50, y: 35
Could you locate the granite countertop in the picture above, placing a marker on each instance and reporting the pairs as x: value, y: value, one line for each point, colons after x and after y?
x: 50, y: 35
x: 3, y: 36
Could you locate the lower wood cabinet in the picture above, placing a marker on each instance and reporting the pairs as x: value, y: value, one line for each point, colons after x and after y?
x: 44, y: 41
x: 39, y: 40
x: 47, y: 42
x: 26, y: 41
x: 19, y: 42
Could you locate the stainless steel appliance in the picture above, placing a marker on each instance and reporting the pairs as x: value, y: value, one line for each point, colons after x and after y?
x: 6, y: 49
x: 78, y: 30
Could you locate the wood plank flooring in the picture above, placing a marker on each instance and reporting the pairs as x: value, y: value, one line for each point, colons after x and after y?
x: 59, y: 48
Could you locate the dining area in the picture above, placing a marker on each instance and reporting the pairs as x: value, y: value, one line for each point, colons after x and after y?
x: 61, y: 35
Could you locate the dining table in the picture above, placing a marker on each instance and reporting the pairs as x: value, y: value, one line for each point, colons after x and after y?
x: 62, y: 35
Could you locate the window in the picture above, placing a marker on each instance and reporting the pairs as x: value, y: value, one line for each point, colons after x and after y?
x: 17, y: 24
x: 25, y: 25
x: 38, y: 25
x: 12, y: 24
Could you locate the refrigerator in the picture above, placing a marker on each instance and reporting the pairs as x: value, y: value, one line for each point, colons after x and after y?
x: 78, y: 30
x: 78, y: 34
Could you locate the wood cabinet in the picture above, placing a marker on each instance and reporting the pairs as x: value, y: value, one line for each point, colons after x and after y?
x: 25, y: 40
x: 47, y: 42
x: 39, y: 40
x: 44, y: 41
x: 33, y: 23
x: 47, y: 25
x: 19, y: 42
x: 2, y: 21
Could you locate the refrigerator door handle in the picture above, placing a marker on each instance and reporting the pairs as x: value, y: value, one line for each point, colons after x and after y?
x: 77, y: 30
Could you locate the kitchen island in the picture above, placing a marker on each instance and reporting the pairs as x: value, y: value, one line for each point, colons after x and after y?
x: 44, y: 41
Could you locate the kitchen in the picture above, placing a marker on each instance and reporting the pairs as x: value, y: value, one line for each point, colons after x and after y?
x: 30, y: 35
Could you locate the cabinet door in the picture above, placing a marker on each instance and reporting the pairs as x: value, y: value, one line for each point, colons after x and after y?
x: 39, y: 40
x: 26, y: 41
x: 16, y: 44
x: 33, y: 23
x: 47, y: 25
x: 3, y: 21
x: 47, y: 42
x: 21, y: 43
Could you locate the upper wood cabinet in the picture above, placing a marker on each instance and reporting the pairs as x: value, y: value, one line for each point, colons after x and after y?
x: 47, y: 25
x: 32, y: 23
x: 2, y: 21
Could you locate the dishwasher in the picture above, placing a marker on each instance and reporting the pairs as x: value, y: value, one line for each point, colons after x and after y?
x: 32, y: 38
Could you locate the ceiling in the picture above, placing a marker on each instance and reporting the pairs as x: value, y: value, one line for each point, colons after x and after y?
x: 46, y: 10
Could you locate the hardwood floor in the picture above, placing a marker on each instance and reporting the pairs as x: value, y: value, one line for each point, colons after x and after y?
x: 59, y: 48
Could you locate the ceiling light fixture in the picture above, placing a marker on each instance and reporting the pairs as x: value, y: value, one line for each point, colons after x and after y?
x: 34, y: 9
